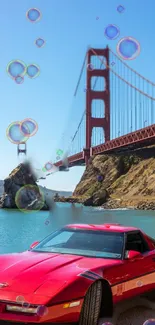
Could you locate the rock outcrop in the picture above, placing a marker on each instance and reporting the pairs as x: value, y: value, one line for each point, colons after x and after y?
x: 119, y: 181
x: 21, y: 191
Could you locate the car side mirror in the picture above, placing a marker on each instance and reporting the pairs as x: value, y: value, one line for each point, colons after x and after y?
x: 132, y: 254
x: 34, y: 244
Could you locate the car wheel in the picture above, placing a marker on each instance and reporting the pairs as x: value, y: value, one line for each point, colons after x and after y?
x: 91, y: 306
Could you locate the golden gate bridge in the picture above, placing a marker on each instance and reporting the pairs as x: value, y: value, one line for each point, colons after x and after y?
x: 118, y: 109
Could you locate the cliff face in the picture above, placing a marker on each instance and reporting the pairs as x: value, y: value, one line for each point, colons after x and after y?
x: 119, y: 180
x: 21, y: 190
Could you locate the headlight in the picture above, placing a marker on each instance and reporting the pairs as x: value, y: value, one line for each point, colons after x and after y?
x: 22, y: 309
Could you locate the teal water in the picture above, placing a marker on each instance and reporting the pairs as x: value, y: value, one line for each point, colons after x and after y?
x: 18, y: 230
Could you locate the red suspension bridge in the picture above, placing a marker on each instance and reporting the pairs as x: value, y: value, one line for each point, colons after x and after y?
x: 118, y: 109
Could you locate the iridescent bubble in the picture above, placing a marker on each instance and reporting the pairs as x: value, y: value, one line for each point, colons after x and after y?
x: 25, y: 304
x: 47, y: 222
x: 90, y: 67
x: 39, y: 42
x: 16, y: 68
x: 42, y: 311
x: 48, y: 166
x: 58, y: 157
x: 28, y: 127
x: 33, y: 71
x: 149, y: 322
x: 111, y: 32
x: 19, y: 80
x: 14, y: 133
x: 20, y: 299
x: 33, y: 15
x: 29, y: 198
x: 120, y: 9
x: 128, y: 48
x: 59, y: 152
x: 100, y: 178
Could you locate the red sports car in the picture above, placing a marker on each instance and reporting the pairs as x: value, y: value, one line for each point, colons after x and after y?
x: 76, y: 275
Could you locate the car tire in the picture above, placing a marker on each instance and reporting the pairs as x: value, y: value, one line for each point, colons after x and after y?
x: 90, y: 311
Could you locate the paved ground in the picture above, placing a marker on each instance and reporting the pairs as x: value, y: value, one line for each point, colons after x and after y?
x: 135, y: 312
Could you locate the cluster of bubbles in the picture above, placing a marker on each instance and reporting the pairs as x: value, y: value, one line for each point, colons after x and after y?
x: 34, y: 15
x: 29, y: 198
x: 49, y: 166
x: 19, y: 132
x: 17, y: 70
x: 59, y: 154
x: 128, y: 48
x: 41, y: 310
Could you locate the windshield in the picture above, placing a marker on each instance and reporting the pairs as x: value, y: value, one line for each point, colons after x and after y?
x: 89, y: 243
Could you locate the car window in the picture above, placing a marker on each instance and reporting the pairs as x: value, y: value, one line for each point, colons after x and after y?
x: 136, y: 242
x: 99, y: 244
x: 59, y: 240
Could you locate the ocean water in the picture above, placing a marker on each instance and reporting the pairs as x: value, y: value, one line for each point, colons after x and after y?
x: 19, y: 230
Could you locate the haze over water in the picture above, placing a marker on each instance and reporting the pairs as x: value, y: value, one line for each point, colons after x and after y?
x: 19, y: 230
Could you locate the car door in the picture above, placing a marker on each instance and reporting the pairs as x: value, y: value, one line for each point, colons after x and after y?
x: 140, y: 271
x: 134, y: 276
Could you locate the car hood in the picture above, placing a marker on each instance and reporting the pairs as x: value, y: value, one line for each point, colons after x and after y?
x: 31, y: 272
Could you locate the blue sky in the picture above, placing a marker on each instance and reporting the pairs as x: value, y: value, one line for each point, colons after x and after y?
x: 68, y: 27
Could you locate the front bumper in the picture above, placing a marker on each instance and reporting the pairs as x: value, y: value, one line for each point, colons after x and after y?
x: 56, y: 314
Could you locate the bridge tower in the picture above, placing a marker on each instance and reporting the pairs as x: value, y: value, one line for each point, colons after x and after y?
x: 104, y: 95
x: 21, y: 148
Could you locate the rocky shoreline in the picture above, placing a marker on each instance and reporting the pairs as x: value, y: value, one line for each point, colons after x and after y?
x: 110, y: 204
x: 118, y: 181
x: 110, y: 181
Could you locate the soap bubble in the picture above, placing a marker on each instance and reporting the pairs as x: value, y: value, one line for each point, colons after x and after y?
x: 28, y: 127
x: 29, y: 198
x: 90, y: 67
x: 33, y: 71
x: 111, y: 32
x: 33, y: 15
x: 42, y: 311
x: 16, y: 68
x: 20, y: 299
x: 26, y: 304
x: 39, y: 42
x: 100, y: 178
x: 48, y: 166
x: 19, y: 80
x: 128, y: 48
x: 150, y: 322
x: 47, y: 222
x: 120, y: 9
x: 14, y: 133
x: 59, y: 152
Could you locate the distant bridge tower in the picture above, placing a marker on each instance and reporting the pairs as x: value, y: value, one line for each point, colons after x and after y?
x: 21, y: 148
x: 104, y: 95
